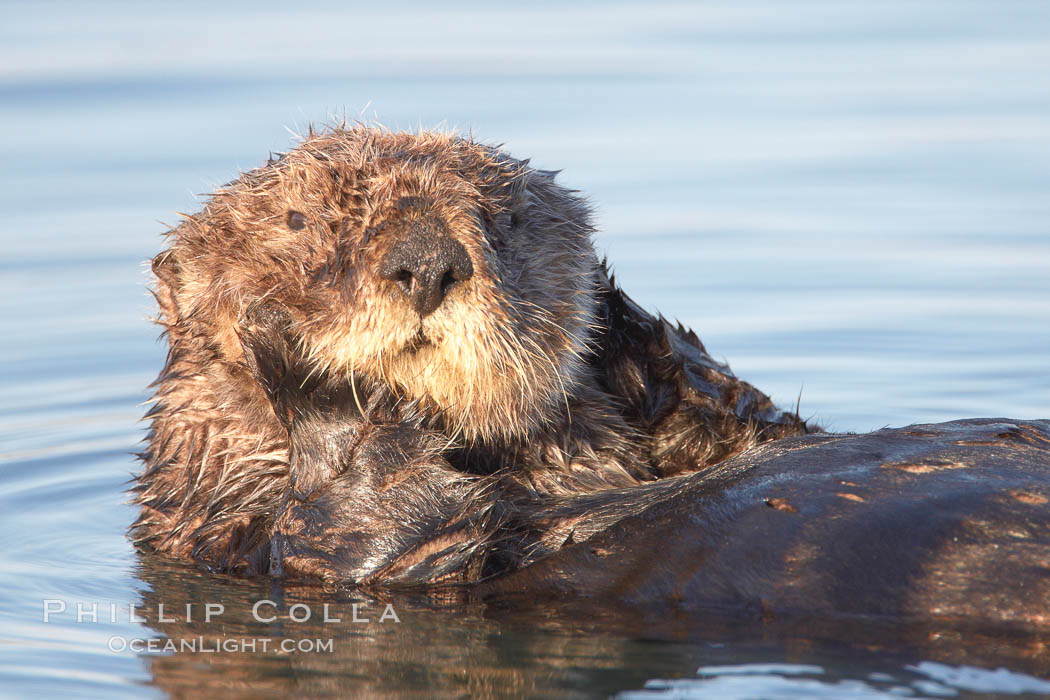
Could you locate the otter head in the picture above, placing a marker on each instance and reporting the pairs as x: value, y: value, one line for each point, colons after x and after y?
x: 453, y: 273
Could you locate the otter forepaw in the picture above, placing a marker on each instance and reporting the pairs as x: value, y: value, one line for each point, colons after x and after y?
x: 270, y: 354
x: 293, y: 385
x: 393, y: 511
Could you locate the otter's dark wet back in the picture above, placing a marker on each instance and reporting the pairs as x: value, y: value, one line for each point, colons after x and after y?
x: 845, y: 202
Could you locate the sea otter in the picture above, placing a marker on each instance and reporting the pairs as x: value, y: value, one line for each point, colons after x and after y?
x: 396, y: 359
x: 385, y: 346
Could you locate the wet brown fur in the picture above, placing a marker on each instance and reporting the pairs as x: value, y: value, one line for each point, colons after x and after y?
x: 308, y: 422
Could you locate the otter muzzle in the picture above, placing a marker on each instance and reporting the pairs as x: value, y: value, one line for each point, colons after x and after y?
x: 425, y: 265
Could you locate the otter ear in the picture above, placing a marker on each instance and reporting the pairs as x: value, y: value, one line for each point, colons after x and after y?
x: 560, y: 208
x: 166, y: 269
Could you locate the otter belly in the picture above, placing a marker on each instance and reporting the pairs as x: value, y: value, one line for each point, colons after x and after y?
x: 945, y: 521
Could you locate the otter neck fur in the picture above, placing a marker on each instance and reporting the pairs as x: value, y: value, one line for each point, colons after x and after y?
x: 653, y: 403
x: 536, y: 369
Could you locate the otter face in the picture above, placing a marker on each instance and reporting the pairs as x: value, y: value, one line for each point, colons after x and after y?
x: 451, y: 272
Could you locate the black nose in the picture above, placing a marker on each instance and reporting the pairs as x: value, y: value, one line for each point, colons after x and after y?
x: 425, y: 264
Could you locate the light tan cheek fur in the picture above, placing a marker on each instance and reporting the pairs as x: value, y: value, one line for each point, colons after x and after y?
x: 489, y: 379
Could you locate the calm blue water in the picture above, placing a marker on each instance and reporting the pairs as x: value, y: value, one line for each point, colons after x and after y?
x: 847, y: 201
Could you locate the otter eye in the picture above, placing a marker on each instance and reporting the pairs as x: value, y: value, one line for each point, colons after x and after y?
x: 296, y: 220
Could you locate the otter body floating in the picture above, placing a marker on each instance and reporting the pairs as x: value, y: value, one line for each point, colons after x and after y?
x: 942, y: 522
x: 395, y: 359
